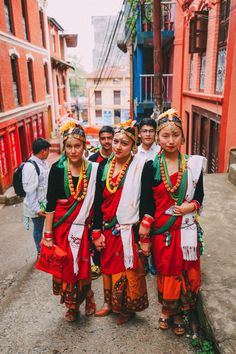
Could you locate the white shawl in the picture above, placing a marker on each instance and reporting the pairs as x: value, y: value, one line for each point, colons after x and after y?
x: 189, y: 228
x: 77, y: 227
x: 128, y: 209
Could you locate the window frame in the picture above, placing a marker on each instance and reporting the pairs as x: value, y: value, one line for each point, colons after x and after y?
x: 9, y: 20
x: 98, y: 100
x: 25, y: 19
x: 16, y: 80
x: 198, y: 31
x: 30, y: 71
x: 117, y: 98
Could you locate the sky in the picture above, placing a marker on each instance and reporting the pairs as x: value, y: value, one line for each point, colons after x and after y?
x: 75, y: 17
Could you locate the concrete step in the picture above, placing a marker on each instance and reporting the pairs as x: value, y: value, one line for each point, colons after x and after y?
x: 232, y: 173
x: 232, y: 157
x: 9, y: 197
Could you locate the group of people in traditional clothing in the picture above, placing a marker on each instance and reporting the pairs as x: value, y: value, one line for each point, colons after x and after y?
x: 126, y: 205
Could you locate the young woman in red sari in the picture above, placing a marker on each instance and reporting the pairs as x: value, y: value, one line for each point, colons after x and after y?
x: 115, y: 229
x: 172, y: 193
x: 70, y: 196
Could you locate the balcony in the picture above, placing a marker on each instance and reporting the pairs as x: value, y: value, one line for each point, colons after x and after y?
x: 146, y: 90
x: 145, y: 23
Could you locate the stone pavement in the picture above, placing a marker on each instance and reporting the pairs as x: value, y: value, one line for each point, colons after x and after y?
x: 25, y: 294
x: 218, y: 290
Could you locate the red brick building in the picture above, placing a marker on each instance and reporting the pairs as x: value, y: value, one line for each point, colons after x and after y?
x: 204, y: 85
x: 33, y: 80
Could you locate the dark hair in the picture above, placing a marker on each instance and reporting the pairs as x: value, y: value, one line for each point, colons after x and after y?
x: 40, y: 144
x: 106, y: 129
x: 148, y: 121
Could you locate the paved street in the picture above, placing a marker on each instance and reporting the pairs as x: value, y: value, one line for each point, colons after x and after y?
x: 32, y: 321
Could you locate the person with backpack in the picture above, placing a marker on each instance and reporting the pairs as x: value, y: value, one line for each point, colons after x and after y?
x: 34, y: 181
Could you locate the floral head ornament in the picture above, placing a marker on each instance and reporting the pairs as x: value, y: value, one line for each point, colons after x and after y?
x: 72, y: 129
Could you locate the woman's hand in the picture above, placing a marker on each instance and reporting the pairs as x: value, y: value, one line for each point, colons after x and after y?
x: 100, y: 243
x: 145, y: 248
x: 185, y: 208
x: 144, y: 231
x: 48, y: 244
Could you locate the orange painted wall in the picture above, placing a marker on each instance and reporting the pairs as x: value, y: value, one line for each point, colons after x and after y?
x: 184, y: 97
x: 228, y: 126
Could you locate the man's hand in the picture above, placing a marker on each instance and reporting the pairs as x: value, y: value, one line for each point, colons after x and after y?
x: 41, y: 213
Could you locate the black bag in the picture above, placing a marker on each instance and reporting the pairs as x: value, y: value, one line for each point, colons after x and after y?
x: 17, y: 178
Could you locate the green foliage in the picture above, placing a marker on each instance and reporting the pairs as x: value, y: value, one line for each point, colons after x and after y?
x: 77, y: 78
x: 204, y: 346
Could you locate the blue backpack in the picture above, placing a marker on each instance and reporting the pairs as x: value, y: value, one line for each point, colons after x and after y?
x: 17, y: 178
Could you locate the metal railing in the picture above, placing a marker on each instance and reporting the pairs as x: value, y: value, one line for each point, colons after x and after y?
x: 147, y: 88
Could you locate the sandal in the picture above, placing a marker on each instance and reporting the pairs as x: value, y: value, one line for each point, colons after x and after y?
x: 124, y: 318
x: 90, y: 306
x: 71, y: 315
x: 164, y: 323
x: 178, y: 329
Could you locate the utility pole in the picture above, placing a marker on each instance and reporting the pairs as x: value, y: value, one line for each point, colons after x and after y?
x: 157, y: 58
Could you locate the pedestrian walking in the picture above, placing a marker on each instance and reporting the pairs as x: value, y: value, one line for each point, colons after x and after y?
x: 116, y: 215
x: 172, y: 193
x: 148, y: 149
x: 70, y: 197
x: 105, y: 134
x: 34, y: 181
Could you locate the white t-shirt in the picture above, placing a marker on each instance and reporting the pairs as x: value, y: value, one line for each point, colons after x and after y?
x: 149, y: 154
x: 35, y: 186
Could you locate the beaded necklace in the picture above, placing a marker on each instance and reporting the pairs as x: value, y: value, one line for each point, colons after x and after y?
x: 80, y: 191
x: 166, y: 178
x: 113, y: 186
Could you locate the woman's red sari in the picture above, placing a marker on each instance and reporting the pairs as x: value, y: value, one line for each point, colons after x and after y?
x: 61, y: 239
x: 112, y: 257
x: 178, y: 280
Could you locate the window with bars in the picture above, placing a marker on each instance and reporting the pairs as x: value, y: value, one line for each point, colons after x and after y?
x: 202, y: 71
x: 117, y: 119
x: 116, y: 97
x: 15, y: 80
x: 98, y: 113
x: 53, y: 42
x: 98, y: 97
x: 31, y: 80
x: 41, y: 20
x: 45, y: 67
x: 24, y: 19
x: 191, y: 73
x: 222, y: 44
x: 8, y: 15
x: 198, y: 32
x: 64, y: 87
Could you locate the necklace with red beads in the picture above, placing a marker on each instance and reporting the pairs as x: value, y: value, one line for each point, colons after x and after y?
x: 166, y: 178
x: 80, y: 191
x: 113, y: 186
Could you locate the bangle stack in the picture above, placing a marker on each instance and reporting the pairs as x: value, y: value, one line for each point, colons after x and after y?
x: 96, y: 234
x: 196, y: 204
x: 147, y: 221
x: 48, y: 235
